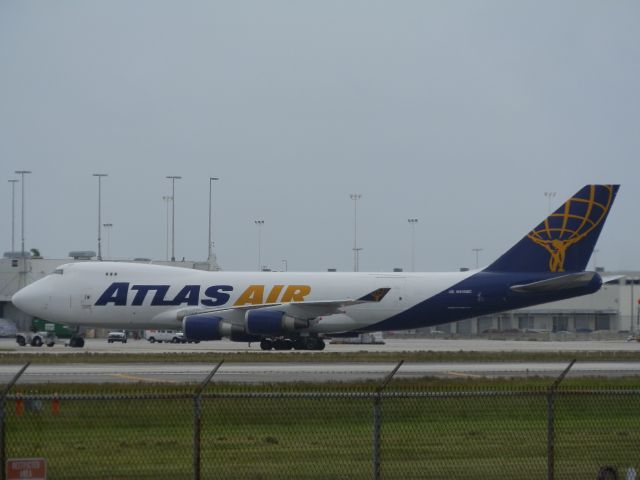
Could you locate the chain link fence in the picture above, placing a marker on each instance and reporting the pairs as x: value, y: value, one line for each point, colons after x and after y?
x: 216, y: 432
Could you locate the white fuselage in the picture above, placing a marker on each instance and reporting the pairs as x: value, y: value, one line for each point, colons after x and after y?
x: 138, y: 296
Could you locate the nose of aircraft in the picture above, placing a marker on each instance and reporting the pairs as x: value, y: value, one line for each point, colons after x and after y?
x: 28, y: 299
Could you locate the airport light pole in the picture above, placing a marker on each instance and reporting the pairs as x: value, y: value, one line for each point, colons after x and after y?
x: 23, y: 280
x: 412, y: 222
x: 99, y: 175
x: 210, y: 251
x: 477, y: 250
x: 550, y: 196
x: 166, y: 208
x: 356, y: 251
x: 173, y: 179
x: 13, y: 213
x: 22, y: 173
x: 286, y: 265
x: 259, y: 223
x: 108, y: 227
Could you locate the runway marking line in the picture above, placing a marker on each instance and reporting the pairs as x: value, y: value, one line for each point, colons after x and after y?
x: 140, y: 379
x: 462, y: 374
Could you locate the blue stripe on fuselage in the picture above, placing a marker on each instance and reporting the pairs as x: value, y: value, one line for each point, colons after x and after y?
x: 481, y: 294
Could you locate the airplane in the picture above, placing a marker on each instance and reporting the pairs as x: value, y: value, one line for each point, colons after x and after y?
x: 290, y: 310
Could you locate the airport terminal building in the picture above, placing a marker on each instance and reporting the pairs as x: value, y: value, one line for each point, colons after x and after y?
x: 614, y: 308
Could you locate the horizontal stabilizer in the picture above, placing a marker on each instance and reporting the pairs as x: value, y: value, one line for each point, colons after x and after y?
x: 565, y: 282
x: 612, y: 278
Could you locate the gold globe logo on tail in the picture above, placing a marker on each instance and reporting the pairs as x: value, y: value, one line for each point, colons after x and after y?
x: 573, y: 222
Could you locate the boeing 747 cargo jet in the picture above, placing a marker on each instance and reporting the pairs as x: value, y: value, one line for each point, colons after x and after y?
x: 285, y: 310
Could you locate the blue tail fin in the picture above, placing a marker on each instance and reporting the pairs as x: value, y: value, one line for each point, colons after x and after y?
x: 564, y: 241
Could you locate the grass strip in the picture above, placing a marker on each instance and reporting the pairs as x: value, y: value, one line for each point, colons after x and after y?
x: 317, y: 357
x: 447, y: 436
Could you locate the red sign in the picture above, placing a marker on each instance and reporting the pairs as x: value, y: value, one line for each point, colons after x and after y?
x: 27, y: 468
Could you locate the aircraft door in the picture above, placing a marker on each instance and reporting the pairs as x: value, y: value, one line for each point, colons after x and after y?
x: 86, y: 302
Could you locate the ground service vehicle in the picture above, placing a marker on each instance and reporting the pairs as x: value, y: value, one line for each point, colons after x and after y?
x: 117, y: 336
x: 36, y: 339
x: 167, y: 336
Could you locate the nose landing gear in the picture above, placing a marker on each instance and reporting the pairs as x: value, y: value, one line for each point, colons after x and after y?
x: 76, y: 340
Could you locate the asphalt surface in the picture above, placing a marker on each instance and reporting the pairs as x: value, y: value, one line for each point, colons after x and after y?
x: 298, y: 372
x: 8, y: 345
x: 269, y: 372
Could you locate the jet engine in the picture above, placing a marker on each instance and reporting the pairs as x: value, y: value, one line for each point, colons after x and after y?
x: 205, y: 327
x: 211, y: 327
x: 270, y: 322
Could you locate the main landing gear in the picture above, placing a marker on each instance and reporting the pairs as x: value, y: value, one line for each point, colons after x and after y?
x: 76, y: 340
x: 299, y: 343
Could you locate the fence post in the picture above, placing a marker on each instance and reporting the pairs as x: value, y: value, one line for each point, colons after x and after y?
x: 197, y: 421
x: 551, y: 392
x: 3, y: 444
x: 377, y: 420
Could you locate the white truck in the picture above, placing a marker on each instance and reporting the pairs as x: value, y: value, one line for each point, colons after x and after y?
x: 167, y: 336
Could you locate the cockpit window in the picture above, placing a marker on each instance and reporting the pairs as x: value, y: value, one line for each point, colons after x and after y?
x: 58, y: 271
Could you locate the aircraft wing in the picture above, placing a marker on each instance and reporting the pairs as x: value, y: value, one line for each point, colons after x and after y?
x: 301, y: 310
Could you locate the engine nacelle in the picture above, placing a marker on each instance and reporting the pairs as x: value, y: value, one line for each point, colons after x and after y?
x: 211, y: 327
x: 269, y: 322
x: 205, y: 327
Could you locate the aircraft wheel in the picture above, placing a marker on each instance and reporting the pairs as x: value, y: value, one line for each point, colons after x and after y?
x: 315, y: 343
x: 300, y: 343
x: 283, y: 344
x: 266, y: 344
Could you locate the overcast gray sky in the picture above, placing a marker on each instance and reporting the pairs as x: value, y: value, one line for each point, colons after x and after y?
x: 458, y: 113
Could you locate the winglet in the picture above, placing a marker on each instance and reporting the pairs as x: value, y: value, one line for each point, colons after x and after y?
x: 375, y: 296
